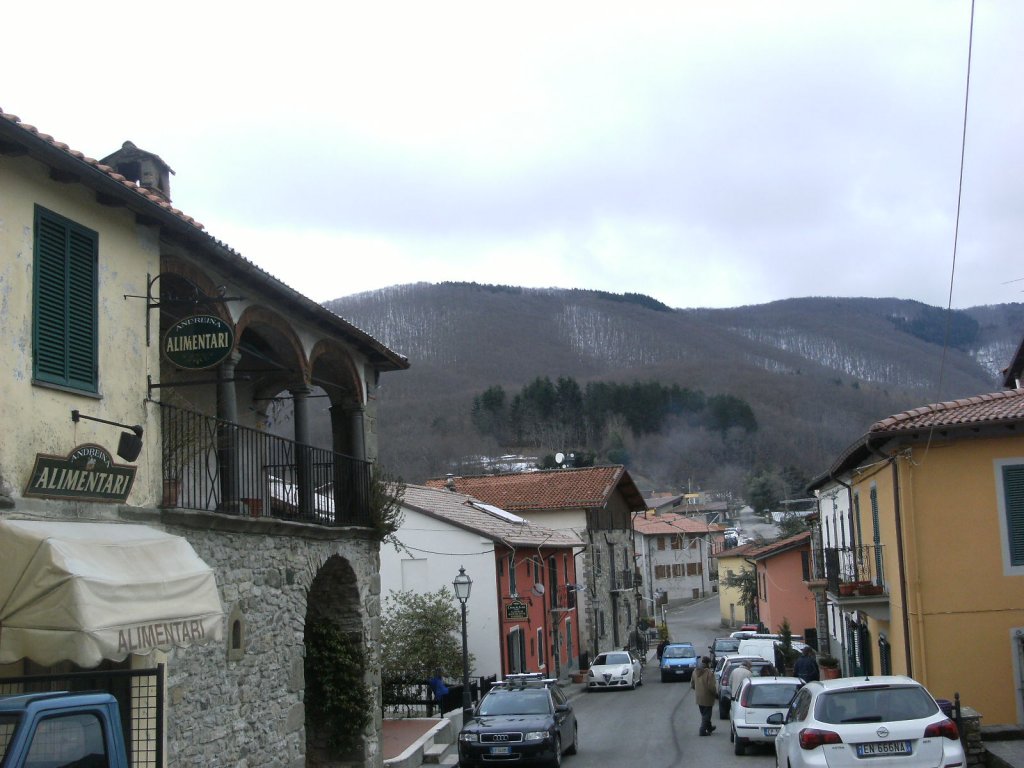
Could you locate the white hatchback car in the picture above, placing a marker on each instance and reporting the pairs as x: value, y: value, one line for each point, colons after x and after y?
x: 867, y: 722
x: 757, y: 699
x: 615, y: 669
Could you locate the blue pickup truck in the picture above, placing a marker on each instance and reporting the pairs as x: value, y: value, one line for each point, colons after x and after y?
x: 61, y: 730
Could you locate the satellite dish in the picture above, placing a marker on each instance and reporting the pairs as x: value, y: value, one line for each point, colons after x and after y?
x: 538, y: 589
x: 559, y: 457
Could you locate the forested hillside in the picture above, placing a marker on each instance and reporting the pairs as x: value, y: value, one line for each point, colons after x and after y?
x: 814, y: 372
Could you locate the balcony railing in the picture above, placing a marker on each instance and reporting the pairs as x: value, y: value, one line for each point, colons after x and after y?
x: 855, y: 570
x: 214, y: 465
x: 625, y: 579
x: 563, y: 598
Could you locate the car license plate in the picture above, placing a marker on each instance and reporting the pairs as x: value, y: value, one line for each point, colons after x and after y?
x: 771, y: 731
x: 501, y: 750
x: 883, y: 748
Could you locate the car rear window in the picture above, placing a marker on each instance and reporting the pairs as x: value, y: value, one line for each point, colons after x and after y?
x: 727, y: 646
x: 679, y: 652
x: 777, y: 695
x: 522, y: 702
x: 612, y: 658
x: 875, y: 705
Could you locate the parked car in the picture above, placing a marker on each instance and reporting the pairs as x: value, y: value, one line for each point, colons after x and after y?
x: 865, y: 721
x: 722, y: 680
x: 678, y: 660
x: 722, y: 646
x: 523, y: 719
x: 757, y: 699
x: 615, y: 669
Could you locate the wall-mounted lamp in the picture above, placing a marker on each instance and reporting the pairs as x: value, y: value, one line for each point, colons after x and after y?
x: 129, y: 446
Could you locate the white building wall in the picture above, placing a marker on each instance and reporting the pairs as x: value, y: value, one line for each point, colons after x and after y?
x: 433, y: 553
x: 677, y: 587
x: 835, y: 533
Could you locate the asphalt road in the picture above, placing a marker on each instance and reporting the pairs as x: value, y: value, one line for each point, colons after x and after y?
x: 655, y: 726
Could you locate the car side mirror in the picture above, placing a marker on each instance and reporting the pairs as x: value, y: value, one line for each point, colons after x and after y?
x: 561, y: 707
x: 776, y: 718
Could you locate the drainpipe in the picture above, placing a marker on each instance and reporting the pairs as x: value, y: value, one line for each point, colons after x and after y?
x: 899, y: 550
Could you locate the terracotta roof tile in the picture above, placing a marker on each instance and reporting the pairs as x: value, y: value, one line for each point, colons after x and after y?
x: 779, y: 545
x: 458, y: 509
x: 669, y: 523
x: 587, y: 487
x: 994, y: 408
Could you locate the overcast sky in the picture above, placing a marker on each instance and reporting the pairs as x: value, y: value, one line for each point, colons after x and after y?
x: 705, y: 153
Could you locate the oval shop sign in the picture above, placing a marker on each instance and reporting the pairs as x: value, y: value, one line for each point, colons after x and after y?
x: 199, y: 341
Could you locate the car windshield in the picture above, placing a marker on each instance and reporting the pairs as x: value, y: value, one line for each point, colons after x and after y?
x: 679, y: 652
x: 777, y: 695
x: 727, y: 646
x: 875, y: 705
x: 516, y: 702
x: 611, y: 658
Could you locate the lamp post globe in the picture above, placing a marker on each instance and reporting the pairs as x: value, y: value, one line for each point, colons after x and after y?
x: 463, y: 584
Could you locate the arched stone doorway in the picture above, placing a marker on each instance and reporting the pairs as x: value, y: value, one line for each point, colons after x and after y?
x: 338, y: 704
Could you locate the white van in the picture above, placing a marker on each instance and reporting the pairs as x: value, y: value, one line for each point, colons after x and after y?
x: 764, y: 646
x: 759, y: 646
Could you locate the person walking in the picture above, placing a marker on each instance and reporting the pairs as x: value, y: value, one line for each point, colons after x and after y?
x: 661, y: 648
x: 806, y: 667
x: 705, y: 693
x: 738, y: 675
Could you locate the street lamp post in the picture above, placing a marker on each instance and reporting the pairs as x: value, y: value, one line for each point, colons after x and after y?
x: 462, y: 585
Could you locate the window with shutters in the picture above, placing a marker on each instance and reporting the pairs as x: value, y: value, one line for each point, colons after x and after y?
x: 64, y: 303
x: 1010, y: 493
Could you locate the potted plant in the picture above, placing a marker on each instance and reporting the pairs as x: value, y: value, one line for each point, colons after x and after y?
x: 829, y: 666
x: 182, y: 446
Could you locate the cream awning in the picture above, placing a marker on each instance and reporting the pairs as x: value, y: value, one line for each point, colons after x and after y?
x: 85, y: 592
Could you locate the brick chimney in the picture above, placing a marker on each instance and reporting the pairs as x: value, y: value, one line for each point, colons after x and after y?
x: 144, y: 168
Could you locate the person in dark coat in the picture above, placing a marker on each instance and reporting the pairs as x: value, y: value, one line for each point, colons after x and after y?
x: 661, y: 648
x: 706, y: 694
x: 806, y: 667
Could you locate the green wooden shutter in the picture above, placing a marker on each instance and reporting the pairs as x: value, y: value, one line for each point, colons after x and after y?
x: 65, y: 302
x: 1013, y: 494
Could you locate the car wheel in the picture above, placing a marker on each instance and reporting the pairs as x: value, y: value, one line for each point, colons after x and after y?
x: 664, y: 678
x: 740, y: 746
x: 574, y: 747
x: 557, y: 760
x: 723, y: 709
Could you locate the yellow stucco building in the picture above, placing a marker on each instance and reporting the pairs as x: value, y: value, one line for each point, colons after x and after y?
x: 732, y: 562
x: 922, y: 525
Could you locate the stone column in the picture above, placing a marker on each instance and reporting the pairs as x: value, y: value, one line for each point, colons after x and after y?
x: 227, y: 434
x: 303, y: 450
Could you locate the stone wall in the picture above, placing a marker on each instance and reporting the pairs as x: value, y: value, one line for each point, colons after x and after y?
x: 246, y: 710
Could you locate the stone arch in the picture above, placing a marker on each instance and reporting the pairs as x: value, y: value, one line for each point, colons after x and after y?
x: 268, y: 324
x: 179, y: 279
x: 333, y: 600
x: 333, y: 369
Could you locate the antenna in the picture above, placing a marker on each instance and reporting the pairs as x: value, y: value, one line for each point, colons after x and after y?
x: 538, y: 589
x: 559, y: 457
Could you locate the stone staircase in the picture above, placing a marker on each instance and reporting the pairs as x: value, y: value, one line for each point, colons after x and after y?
x: 439, y: 746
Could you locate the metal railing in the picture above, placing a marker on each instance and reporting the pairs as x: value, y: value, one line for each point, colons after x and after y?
x: 564, y: 597
x: 408, y: 694
x: 863, y: 566
x: 625, y: 579
x: 140, y: 701
x: 215, y: 465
